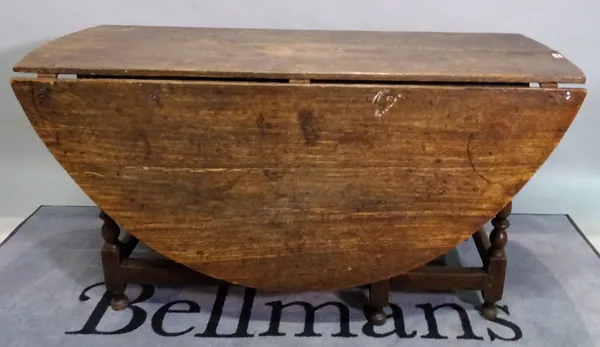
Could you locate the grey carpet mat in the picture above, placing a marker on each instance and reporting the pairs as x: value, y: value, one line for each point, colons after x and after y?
x: 51, y: 295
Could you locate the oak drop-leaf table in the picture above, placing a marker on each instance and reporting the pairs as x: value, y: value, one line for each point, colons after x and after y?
x: 300, y: 160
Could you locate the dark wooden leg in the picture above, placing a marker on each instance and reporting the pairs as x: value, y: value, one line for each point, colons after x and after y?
x: 379, y: 296
x: 496, y: 264
x: 111, y: 263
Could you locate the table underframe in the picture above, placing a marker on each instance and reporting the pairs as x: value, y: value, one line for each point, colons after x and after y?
x: 119, y: 269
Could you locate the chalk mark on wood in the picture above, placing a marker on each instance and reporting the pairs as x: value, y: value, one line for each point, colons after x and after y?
x: 384, y: 102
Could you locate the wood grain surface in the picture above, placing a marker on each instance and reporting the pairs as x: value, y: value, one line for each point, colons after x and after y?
x: 302, y: 54
x: 297, y: 186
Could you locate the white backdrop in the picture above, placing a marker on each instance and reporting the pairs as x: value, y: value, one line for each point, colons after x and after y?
x: 569, y: 182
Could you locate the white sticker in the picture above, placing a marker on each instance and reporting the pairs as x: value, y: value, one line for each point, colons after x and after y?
x: 557, y: 55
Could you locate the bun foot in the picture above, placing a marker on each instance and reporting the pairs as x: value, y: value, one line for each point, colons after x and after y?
x: 119, y: 303
x: 489, y: 311
x: 375, y: 315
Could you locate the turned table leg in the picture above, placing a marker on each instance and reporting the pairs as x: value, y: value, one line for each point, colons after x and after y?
x: 111, y: 263
x: 379, y: 295
x: 496, y: 263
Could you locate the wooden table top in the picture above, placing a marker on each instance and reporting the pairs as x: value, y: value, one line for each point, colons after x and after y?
x: 285, y: 186
x: 293, y: 186
x: 302, y: 54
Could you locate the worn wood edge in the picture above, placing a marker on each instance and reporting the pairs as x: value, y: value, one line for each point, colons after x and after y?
x: 23, y: 79
x: 21, y: 65
x: 548, y: 85
x: 401, y: 77
x: 257, y: 29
